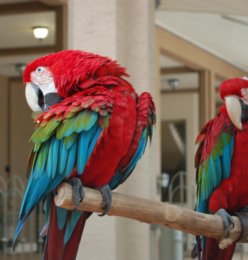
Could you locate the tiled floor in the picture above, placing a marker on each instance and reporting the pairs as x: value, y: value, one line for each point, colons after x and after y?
x: 21, y: 257
x: 236, y: 256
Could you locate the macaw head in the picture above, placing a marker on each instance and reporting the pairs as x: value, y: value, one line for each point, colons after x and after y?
x: 54, y: 77
x: 235, y: 94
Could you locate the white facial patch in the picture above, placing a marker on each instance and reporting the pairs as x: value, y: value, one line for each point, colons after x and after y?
x: 50, y: 88
x: 244, y: 92
x: 44, y: 81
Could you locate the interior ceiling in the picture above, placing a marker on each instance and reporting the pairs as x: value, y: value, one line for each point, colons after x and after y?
x: 16, y: 32
x: 222, y: 35
x: 220, y: 25
x: 214, y: 6
x: 7, y: 64
x: 186, y: 80
x: 14, y: 1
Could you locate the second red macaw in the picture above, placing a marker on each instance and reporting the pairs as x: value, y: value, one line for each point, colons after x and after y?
x: 91, y: 130
x: 222, y: 164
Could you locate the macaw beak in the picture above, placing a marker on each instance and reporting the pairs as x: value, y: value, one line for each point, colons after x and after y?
x: 33, y: 95
x: 237, y: 110
x: 51, y: 99
x: 39, y: 102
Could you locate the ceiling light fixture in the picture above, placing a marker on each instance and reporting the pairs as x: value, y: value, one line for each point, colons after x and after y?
x: 20, y: 67
x: 40, y: 32
x: 173, y: 83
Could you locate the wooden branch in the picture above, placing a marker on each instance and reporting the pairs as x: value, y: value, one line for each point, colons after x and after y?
x: 154, y: 212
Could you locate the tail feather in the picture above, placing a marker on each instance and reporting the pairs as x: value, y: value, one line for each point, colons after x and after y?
x: 227, y: 253
x: 54, y: 248
x: 211, y: 250
x: 71, y: 247
x: 57, y: 247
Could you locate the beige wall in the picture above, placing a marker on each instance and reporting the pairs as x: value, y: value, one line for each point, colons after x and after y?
x: 17, y: 125
x: 3, y: 125
x: 21, y: 129
x: 184, y: 107
x: 122, y: 30
x: 16, y: 128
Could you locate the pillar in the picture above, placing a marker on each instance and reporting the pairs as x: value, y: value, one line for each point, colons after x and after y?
x: 125, y: 31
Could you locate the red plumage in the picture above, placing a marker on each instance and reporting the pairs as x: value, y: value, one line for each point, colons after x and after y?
x: 90, y: 82
x: 215, y: 141
x: 211, y: 250
x: 72, y: 68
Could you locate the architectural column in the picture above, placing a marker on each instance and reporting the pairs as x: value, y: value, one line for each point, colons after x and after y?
x: 207, y: 102
x: 122, y: 30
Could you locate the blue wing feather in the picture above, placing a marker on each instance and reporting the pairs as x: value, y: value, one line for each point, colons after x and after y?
x: 63, y: 153
x: 93, y: 142
x: 61, y: 216
x: 49, y: 164
x: 121, y: 176
x: 218, y: 168
x: 71, y: 223
x: 70, y: 163
x: 55, y: 157
x: 83, y: 143
x: 54, y: 162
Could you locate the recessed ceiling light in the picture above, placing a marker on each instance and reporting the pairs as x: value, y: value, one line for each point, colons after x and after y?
x: 40, y: 32
x: 20, y: 67
x: 173, y: 83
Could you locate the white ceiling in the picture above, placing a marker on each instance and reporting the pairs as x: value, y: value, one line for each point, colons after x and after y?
x: 186, y: 80
x: 222, y: 36
x: 166, y: 62
x: 199, y: 20
x: 16, y: 30
x: 214, y: 6
x: 7, y: 64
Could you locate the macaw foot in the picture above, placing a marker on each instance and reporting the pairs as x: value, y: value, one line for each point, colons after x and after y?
x: 227, y: 219
x: 245, y: 209
x: 243, y: 219
x: 107, y: 197
x: 78, y: 190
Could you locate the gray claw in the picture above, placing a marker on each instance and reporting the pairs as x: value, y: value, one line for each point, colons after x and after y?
x: 245, y: 209
x: 227, y: 219
x: 78, y: 190
x: 107, y: 197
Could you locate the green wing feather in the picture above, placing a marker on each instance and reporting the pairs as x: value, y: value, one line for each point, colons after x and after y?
x: 55, y: 139
x: 213, y: 158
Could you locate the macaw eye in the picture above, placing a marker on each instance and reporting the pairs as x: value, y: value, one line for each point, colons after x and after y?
x: 39, y: 70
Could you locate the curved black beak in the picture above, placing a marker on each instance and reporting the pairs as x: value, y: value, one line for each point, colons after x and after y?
x: 39, y: 102
x: 244, y: 107
x: 51, y: 99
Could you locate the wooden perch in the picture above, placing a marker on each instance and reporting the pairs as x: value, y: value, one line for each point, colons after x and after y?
x: 154, y: 212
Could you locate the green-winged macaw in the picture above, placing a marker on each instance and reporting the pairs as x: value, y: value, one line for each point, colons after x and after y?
x: 222, y: 164
x: 91, y: 130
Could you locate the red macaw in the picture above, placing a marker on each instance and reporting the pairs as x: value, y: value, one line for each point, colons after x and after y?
x: 92, y: 128
x: 222, y: 164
